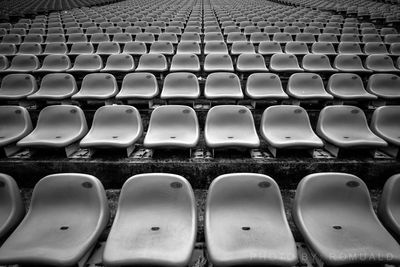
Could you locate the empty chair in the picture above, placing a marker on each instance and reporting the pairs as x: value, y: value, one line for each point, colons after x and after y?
x: 55, y: 63
x: 156, y: 212
x: 230, y: 126
x: 215, y: 47
x: 162, y: 47
x: 385, y: 86
x: 317, y: 63
x: 250, y: 63
x: 3, y: 62
x: 30, y: 48
x: 218, y: 62
x: 147, y: 38
x: 307, y: 86
x: 375, y: 48
x: 296, y: 48
x: 223, y: 85
x: 269, y: 48
x: 380, y: 63
x: 116, y: 126
x: 242, y: 47
x: 108, y: 48
x: 351, y: 48
x: 23, y: 63
x: 138, y: 86
x: 182, y: 85
x: 119, y: 63
x: 55, y: 48
x: 282, y: 37
x: 327, y: 38
x: 188, y: 48
x: 55, y: 86
x: 17, y: 86
x: 11, y: 205
x: 15, y: 124
x: 349, y: 63
x: 385, y: 124
x: 55, y: 38
x: 185, y: 62
x: 324, y: 48
x: 57, y: 204
x: 122, y: 38
x: 152, y: 63
x: 348, y: 86
x: 172, y: 126
x: 388, y: 208
x: 288, y: 127
x: 245, y: 241
x: 334, y: 213
x: 345, y: 127
x: 265, y: 86
x: 235, y: 37
x: 305, y: 37
x: 97, y: 86
x: 284, y: 63
x: 8, y: 49
x: 87, y: 63
x: 389, y: 38
x: 135, y: 48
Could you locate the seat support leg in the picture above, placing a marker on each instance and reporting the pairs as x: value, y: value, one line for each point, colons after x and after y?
x: 11, y: 149
x: 391, y: 151
x: 71, y: 149
x: 273, y: 151
x: 129, y: 150
x: 334, y: 150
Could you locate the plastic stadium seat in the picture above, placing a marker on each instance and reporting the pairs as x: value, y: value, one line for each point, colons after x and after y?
x: 241, y: 47
x: 16, y: 124
x: 147, y: 38
x: 230, y: 126
x: 389, y: 38
x: 81, y: 48
x: 17, y: 86
x: 55, y: 48
x: 55, y: 38
x: 307, y: 86
x: 305, y: 37
x: 215, y: 47
x: 296, y: 48
x: 152, y: 63
x: 272, y: 29
x: 317, y: 63
x: 23, y: 63
x: 180, y: 85
x: 108, y: 48
x: 77, y: 38
x: 232, y: 242
x: 258, y: 37
x: 288, y: 127
x: 346, y: 127
x: 223, y: 85
x: 380, y: 63
x: 55, y: 63
x: 375, y: 48
x: 33, y: 38
x: 162, y: 47
x: 11, y: 205
x: 334, y: 213
x: 172, y: 126
x: 119, y: 63
x: 384, y: 85
x: 135, y: 48
x: 8, y: 49
x: 348, y: 86
x: 324, y: 48
x: 185, y: 62
x: 55, y: 86
x: 57, y: 204
x: 385, y: 124
x: 168, y: 37
x: 388, y: 208
x: 327, y: 38
x: 87, y: 63
x: 218, y: 62
x: 349, y: 63
x: 30, y: 48
x: 138, y: 85
x: 235, y: 37
x: 371, y: 38
x: 265, y: 86
x: 97, y: 86
x: 284, y: 63
x: 282, y: 37
x: 190, y: 37
x: 155, y: 224
x: 351, y: 48
x: 97, y: 38
x: 3, y: 62
x: 11, y: 39
x: 116, y: 126
x: 250, y: 63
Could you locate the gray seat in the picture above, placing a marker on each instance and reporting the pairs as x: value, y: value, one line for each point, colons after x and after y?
x: 348, y: 86
x: 223, y: 85
x: 23, y: 63
x: 388, y: 208
x: 119, y: 63
x: 155, y: 224
x: 380, y: 63
x: 246, y: 240
x: 307, y: 86
x: 180, y: 85
x: 317, y: 63
x: 349, y: 63
x: 152, y: 63
x: 55, y: 63
x: 138, y: 85
x: 185, y: 62
x: 56, y: 208
x: 250, y: 63
x: 284, y: 63
x: 265, y: 86
x: 87, y: 63
x: 334, y: 213
x: 384, y: 85
x: 17, y: 86
x: 100, y: 86
x: 55, y: 86
x: 218, y: 62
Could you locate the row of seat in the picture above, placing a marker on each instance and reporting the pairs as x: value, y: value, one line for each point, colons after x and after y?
x: 176, y: 126
x: 185, y: 85
x: 156, y: 221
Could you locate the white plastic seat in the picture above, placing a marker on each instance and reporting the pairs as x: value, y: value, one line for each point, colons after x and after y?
x: 185, y: 62
x: 138, y: 85
x: 114, y: 126
x: 384, y: 85
x: 3, y: 62
x: 172, y: 126
x: 241, y: 47
x: 87, y: 63
x: 55, y: 86
x: 375, y: 49
x: 108, y: 48
x: 81, y: 48
x: 388, y: 208
x: 55, y: 48
x: 265, y: 86
x: 8, y: 49
x: 30, y: 48
x: 180, y: 85
x: 119, y: 63
x: 155, y: 224
x: 307, y: 86
x: 215, y: 47
x: 269, y: 48
x: 12, y: 208
x: 162, y: 47
x: 346, y: 127
x: 245, y: 241
x: 100, y: 37
x: 349, y: 48
x: 223, y: 85
x: 284, y: 63
x: 380, y: 63
x: 334, y: 213
x: 57, y: 204
x: 218, y: 62
x: 152, y: 63
x: 325, y: 48
x: 317, y: 63
x: 250, y: 63
x: 230, y: 126
x: 186, y: 47
x: 296, y: 48
x: 23, y: 63
x: 135, y: 48
x: 349, y: 63
x: 285, y: 126
x: 55, y: 63
x: 97, y: 86
x: 348, y: 86
x: 17, y: 86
